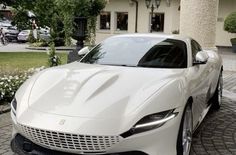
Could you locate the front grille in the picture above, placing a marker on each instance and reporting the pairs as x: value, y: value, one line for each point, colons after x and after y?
x: 71, y: 142
x: 18, y: 146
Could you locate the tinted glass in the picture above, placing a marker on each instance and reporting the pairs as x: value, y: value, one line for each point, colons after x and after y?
x: 139, y: 52
x: 122, y: 21
x: 158, y: 22
x: 199, y: 48
x: 105, y: 18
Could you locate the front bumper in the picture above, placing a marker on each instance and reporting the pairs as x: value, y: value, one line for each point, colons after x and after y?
x: 155, y: 142
x: 11, y: 36
x: 23, y: 146
x: 22, y: 38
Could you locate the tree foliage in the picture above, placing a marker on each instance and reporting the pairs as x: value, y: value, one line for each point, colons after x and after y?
x: 7, y: 2
x: 81, y: 8
x: 57, y: 14
x: 230, y: 23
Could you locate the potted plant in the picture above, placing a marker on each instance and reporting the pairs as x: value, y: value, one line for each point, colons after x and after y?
x: 230, y: 26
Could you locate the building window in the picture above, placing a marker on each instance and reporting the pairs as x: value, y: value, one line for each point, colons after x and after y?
x: 158, y: 22
x: 105, y: 20
x: 122, y: 21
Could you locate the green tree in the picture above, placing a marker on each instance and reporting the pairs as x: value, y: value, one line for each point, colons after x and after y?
x: 66, y: 10
x: 95, y: 9
x: 7, y: 2
x: 57, y: 14
x: 82, y: 8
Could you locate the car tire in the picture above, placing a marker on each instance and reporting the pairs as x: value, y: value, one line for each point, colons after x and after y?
x: 217, y: 97
x: 16, y: 150
x: 184, y: 140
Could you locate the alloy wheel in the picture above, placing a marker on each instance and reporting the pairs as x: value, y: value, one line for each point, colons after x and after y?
x: 187, y: 131
x: 220, y: 89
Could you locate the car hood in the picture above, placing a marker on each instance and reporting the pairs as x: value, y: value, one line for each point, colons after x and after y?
x: 96, y: 91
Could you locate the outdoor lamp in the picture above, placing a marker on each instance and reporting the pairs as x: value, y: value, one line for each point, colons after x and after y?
x: 152, y: 4
x: 80, y: 28
x: 158, y: 2
x: 148, y: 3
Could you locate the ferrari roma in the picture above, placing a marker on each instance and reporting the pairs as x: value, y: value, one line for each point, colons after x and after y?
x: 132, y: 94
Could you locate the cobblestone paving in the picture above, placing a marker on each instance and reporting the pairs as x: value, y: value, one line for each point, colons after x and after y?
x: 5, y: 134
x: 216, y: 135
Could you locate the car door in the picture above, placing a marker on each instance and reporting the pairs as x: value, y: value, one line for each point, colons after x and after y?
x: 199, y: 85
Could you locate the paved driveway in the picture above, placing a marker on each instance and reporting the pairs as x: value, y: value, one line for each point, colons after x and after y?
x: 23, y: 47
x: 229, y: 58
x: 216, y: 135
x: 14, y: 47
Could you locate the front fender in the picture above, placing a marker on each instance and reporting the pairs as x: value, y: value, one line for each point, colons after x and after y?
x: 173, y: 95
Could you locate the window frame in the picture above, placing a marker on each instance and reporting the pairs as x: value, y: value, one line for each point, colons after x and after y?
x: 150, y: 21
x: 99, y: 26
x: 116, y: 21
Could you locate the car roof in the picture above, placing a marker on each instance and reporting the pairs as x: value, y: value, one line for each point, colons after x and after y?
x: 157, y: 35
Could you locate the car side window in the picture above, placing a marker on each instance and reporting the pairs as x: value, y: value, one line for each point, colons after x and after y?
x: 195, y: 49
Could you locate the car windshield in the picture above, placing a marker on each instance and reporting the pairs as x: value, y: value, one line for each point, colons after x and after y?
x: 25, y: 32
x: 12, y: 28
x: 136, y: 51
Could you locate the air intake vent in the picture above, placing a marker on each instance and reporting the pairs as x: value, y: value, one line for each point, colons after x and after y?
x: 69, y: 142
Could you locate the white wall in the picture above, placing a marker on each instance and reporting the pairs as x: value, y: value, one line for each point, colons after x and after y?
x: 171, y: 17
x: 116, y: 6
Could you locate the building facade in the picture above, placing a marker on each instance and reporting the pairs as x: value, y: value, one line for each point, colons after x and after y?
x: 119, y: 17
x: 5, y: 12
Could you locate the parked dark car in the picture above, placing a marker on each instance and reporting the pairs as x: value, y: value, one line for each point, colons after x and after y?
x: 12, y: 33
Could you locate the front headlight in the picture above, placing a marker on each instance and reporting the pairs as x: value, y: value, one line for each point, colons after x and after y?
x: 14, y: 105
x: 151, y: 122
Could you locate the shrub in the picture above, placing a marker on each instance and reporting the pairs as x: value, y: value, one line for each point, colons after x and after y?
x: 230, y: 23
x: 10, y: 83
x: 53, y: 60
x: 233, y: 41
x: 40, y: 43
x: 175, y: 32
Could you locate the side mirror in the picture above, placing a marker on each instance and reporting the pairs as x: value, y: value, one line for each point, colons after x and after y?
x: 201, y: 58
x: 83, y: 51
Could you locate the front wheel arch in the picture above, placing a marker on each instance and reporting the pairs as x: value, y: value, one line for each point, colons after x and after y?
x: 216, y: 100
x: 179, y: 146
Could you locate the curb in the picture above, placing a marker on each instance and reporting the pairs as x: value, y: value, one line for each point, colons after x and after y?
x: 47, y: 48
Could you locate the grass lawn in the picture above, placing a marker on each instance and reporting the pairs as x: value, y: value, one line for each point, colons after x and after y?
x: 22, y: 61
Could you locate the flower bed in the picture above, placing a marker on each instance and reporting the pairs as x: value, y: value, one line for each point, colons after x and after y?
x: 10, y: 82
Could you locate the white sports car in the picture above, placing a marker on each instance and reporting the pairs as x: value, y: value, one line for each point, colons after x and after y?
x: 132, y: 94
